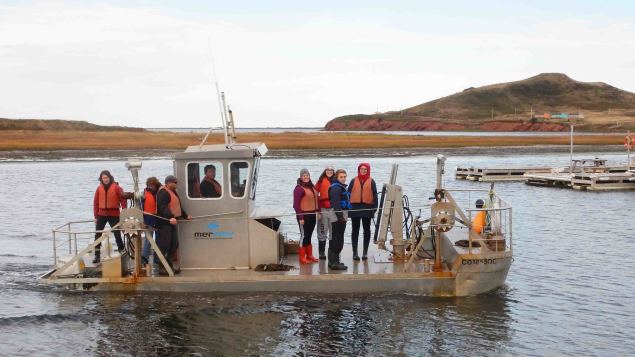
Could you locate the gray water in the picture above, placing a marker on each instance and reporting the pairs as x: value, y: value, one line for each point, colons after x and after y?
x: 569, y: 291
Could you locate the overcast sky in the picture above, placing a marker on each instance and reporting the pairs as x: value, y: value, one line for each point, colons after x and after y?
x: 291, y: 63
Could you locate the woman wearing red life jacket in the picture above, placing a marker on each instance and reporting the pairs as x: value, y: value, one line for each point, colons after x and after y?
x: 109, y: 198
x: 327, y: 217
x: 305, y: 203
x: 363, y: 192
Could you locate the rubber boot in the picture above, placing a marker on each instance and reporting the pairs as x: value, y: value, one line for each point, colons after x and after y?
x: 332, y: 259
x: 334, y: 262
x: 322, y: 248
x: 302, y: 256
x: 309, y: 254
x: 97, y: 259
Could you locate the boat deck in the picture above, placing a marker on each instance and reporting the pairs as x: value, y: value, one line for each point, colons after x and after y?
x: 378, y: 263
x: 376, y: 274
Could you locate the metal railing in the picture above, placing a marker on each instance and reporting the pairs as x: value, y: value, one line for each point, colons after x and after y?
x: 497, y: 233
x: 65, y: 235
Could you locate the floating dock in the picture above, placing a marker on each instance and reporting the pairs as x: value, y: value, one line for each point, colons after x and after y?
x: 588, y: 174
x: 585, y: 181
x: 492, y: 174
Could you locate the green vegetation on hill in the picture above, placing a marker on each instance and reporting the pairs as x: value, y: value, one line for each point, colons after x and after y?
x: 498, y: 105
x: 548, y: 92
x: 58, y: 125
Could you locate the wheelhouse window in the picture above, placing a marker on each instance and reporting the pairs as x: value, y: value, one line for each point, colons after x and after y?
x: 239, y: 175
x: 205, y: 180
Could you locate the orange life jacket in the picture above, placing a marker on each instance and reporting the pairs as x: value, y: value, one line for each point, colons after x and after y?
x: 323, y: 190
x: 110, y: 199
x: 479, y: 222
x: 175, y: 202
x: 309, y: 202
x: 362, y: 193
x: 150, y: 205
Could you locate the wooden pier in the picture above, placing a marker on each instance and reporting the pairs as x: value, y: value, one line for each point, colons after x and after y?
x: 491, y: 174
x: 585, y: 181
x: 588, y: 174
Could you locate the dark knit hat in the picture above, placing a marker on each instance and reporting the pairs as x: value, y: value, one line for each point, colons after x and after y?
x: 304, y: 171
x: 169, y: 178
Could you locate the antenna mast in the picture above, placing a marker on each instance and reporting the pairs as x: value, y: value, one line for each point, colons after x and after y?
x: 228, y: 122
x: 225, y: 115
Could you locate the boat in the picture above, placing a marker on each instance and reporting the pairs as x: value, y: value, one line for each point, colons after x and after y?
x: 232, y: 244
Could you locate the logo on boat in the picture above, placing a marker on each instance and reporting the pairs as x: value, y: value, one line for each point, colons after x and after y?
x: 213, y: 232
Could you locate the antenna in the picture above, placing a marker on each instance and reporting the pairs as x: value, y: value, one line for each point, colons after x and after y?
x: 220, y: 96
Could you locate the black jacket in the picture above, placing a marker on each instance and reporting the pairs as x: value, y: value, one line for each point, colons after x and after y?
x: 163, y: 207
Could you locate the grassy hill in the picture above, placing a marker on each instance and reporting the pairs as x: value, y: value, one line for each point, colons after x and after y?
x: 58, y: 125
x: 508, y: 107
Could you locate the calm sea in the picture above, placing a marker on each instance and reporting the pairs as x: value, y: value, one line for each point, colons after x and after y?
x: 569, y: 292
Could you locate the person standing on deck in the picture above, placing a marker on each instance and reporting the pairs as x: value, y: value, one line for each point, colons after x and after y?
x: 340, y: 203
x: 169, y: 208
x: 109, y: 198
x: 363, y: 192
x: 305, y: 204
x: 149, y: 212
x: 326, y: 212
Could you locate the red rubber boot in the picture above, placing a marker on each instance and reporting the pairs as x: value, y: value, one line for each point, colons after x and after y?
x: 309, y: 254
x: 302, y: 256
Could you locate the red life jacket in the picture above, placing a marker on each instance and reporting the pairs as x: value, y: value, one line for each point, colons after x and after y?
x: 110, y: 199
x: 150, y: 205
x: 362, y: 193
x: 309, y: 202
x: 323, y: 190
x: 175, y: 202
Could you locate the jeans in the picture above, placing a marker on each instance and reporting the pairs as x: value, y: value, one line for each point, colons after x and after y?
x: 145, y: 253
x: 324, y: 231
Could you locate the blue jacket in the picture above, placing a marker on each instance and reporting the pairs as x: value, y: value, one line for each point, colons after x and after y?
x: 340, y: 199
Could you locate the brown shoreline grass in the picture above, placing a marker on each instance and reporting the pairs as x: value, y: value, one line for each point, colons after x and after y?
x: 79, y: 140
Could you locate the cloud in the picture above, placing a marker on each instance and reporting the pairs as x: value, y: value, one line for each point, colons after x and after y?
x: 153, y: 67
